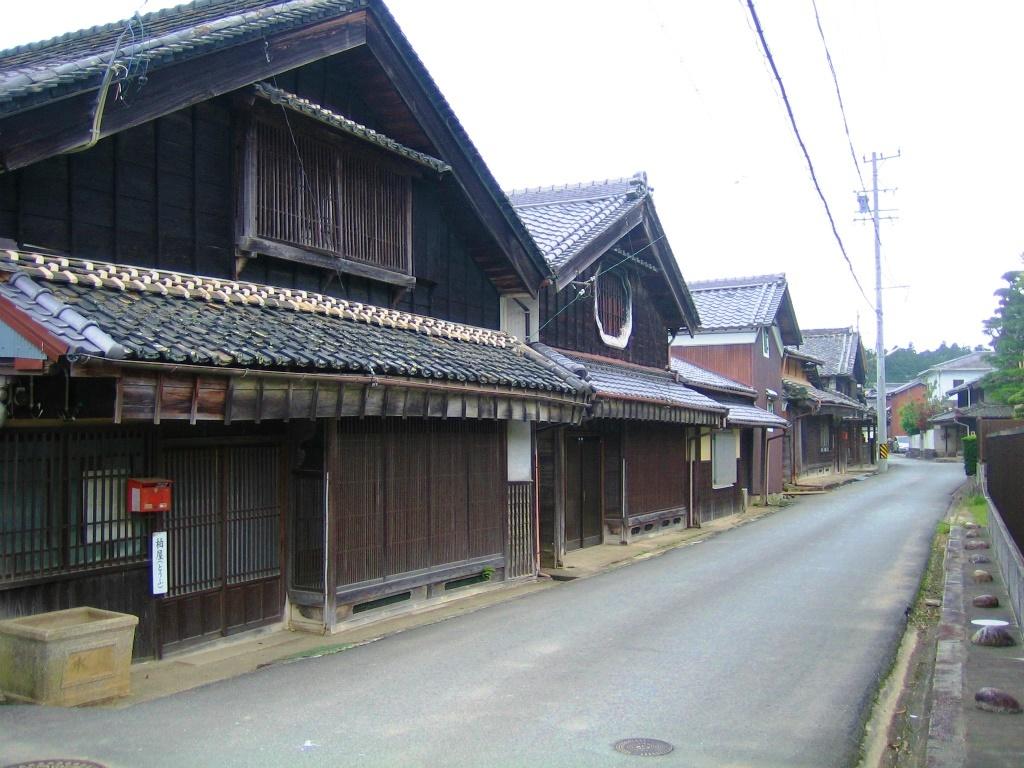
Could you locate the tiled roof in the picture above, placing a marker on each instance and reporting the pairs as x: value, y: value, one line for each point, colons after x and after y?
x: 41, y: 71
x: 738, y: 303
x: 696, y: 376
x: 748, y: 415
x: 351, y: 127
x: 801, y: 354
x: 903, y: 387
x: 979, y: 411
x: 120, y: 312
x: 799, y: 390
x: 631, y: 381
x: 977, y: 361
x: 836, y: 347
x: 564, y: 220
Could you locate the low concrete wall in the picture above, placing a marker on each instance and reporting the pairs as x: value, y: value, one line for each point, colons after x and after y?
x: 1008, y: 556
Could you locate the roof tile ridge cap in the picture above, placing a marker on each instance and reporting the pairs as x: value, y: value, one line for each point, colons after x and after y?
x: 740, y: 281
x: 48, y: 301
x: 573, y: 185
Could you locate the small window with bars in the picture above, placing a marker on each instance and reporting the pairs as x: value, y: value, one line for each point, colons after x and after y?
x: 321, y: 197
x: 613, y: 308
x: 825, y: 442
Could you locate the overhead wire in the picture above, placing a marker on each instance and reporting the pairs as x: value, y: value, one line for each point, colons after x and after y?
x: 593, y: 280
x: 803, y: 147
x: 839, y: 95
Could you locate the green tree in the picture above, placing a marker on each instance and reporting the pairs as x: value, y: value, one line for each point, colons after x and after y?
x: 1006, y: 329
x: 915, y: 414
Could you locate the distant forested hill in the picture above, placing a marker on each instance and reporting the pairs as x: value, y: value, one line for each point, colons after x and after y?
x: 905, y: 363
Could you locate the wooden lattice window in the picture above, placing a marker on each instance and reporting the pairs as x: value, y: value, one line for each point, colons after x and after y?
x: 313, y: 195
x: 613, y: 308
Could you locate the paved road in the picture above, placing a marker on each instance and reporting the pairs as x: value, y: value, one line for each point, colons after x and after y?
x: 759, y: 647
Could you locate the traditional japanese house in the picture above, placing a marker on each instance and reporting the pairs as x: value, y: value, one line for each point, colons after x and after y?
x: 842, y: 370
x: 726, y: 469
x: 746, y: 322
x: 616, y: 297
x: 826, y: 426
x: 249, y: 249
x: 972, y: 414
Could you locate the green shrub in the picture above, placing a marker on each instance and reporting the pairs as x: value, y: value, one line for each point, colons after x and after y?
x: 970, y: 454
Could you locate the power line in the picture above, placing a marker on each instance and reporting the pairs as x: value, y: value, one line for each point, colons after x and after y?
x: 839, y: 95
x: 803, y: 147
x: 593, y: 280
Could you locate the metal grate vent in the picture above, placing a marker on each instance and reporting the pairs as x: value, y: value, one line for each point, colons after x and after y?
x: 643, y: 747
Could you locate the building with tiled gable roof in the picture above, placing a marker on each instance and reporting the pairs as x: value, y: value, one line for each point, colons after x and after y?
x: 746, y: 323
x: 247, y: 247
x: 833, y: 427
x: 616, y: 297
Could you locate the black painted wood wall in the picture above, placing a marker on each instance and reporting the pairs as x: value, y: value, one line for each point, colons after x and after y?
x: 163, y: 195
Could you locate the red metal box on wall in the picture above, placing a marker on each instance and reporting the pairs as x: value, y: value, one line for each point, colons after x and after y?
x: 149, y: 494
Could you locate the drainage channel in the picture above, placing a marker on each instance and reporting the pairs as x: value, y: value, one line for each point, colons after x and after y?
x: 57, y: 762
x: 643, y: 747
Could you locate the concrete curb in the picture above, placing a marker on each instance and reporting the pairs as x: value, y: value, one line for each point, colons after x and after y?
x: 946, y: 747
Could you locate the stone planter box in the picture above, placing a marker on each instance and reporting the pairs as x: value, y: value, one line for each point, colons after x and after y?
x: 65, y: 658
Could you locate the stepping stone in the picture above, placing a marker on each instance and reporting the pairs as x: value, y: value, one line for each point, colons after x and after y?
x: 993, y: 637
x: 931, y: 602
x: 975, y: 544
x: 976, y: 559
x: 981, y: 576
x: 995, y: 700
x: 986, y: 601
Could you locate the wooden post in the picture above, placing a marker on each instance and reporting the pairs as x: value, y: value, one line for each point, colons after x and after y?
x: 764, y: 465
x: 332, y: 516
x: 558, y: 459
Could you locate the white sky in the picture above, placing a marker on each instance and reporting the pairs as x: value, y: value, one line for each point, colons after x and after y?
x: 556, y: 91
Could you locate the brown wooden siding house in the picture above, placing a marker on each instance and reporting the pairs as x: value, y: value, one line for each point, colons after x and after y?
x: 833, y: 427
x: 746, y: 322
x: 248, y: 248
x: 727, y: 468
x: 616, y: 297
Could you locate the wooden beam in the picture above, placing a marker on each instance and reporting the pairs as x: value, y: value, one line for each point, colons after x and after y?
x: 118, y: 400
x: 386, y: 44
x: 159, y: 398
x: 194, y: 410
x: 597, y: 247
x: 338, y: 263
x: 35, y: 134
x: 314, y: 400
x: 229, y: 402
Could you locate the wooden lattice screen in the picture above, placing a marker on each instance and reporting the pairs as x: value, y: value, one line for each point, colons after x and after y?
x: 314, y: 195
x: 521, y: 530
x: 612, y: 302
x: 62, y: 501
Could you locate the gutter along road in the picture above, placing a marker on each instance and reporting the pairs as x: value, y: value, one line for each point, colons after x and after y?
x: 762, y: 646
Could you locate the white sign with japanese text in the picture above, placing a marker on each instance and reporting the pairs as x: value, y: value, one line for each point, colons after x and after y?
x: 159, y: 558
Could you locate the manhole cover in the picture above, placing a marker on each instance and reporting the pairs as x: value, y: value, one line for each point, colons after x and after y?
x: 58, y: 762
x: 643, y: 747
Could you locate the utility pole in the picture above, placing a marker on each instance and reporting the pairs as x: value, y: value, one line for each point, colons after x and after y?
x: 881, y: 426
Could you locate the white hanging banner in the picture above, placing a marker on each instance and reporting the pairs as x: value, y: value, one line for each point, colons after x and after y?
x: 159, y: 558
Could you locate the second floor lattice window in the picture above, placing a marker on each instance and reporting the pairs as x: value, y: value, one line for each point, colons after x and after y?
x: 315, y: 195
x: 614, y: 310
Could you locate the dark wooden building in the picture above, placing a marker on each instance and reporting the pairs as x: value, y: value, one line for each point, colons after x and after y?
x: 248, y: 248
x: 633, y: 467
x: 834, y: 428
x: 746, y: 323
x: 725, y: 467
